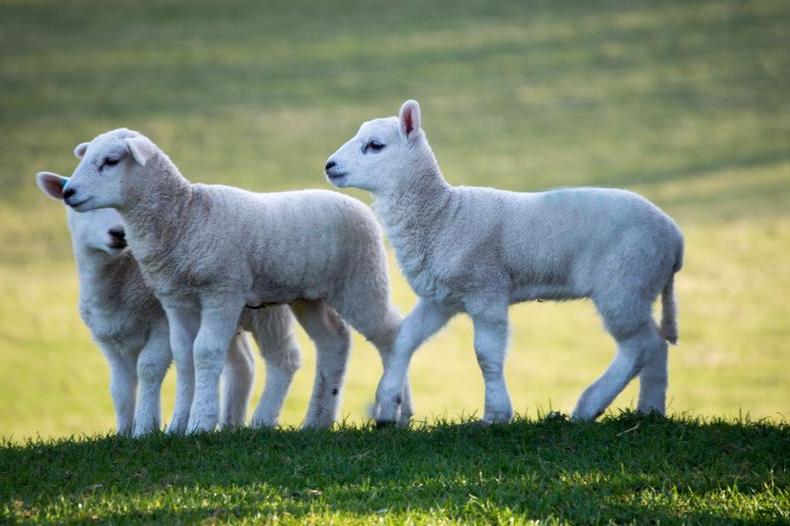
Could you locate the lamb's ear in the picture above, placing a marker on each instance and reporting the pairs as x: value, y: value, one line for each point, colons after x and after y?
x: 51, y: 184
x: 410, y: 119
x: 79, y: 150
x: 141, y: 148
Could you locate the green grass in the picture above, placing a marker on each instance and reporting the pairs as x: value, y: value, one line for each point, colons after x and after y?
x: 684, y: 102
x: 627, y: 469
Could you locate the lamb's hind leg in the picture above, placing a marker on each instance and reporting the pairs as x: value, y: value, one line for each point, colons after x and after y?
x: 653, y: 382
x: 237, y: 378
x: 332, y: 340
x: 635, y: 348
x: 273, y: 330
x: 489, y: 317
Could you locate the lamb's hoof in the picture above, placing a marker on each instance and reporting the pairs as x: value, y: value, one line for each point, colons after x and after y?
x: 581, y: 417
x: 556, y: 416
x: 125, y: 433
x: 263, y: 423
x: 313, y: 424
x: 651, y: 412
x: 497, y: 418
x: 404, y: 421
x: 233, y: 426
x: 199, y: 430
x: 177, y: 427
x: 140, y: 431
x: 385, y: 424
x: 201, y: 426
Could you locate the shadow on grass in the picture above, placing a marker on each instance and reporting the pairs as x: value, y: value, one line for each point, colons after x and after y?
x: 624, y: 469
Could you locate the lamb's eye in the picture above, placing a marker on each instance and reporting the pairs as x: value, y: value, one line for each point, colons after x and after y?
x: 108, y: 161
x: 375, y: 146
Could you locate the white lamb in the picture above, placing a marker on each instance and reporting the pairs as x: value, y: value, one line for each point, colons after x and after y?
x: 209, y: 250
x: 130, y: 327
x: 478, y: 250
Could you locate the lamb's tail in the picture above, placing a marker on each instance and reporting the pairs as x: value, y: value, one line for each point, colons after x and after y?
x: 669, y: 323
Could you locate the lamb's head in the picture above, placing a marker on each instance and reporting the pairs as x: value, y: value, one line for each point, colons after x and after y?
x: 97, y: 231
x: 106, y: 164
x: 381, y: 153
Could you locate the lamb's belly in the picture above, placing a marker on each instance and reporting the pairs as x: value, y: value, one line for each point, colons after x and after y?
x: 433, y: 289
x: 545, y: 292
x: 274, y: 295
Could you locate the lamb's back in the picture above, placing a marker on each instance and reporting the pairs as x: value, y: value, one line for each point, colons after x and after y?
x: 545, y: 237
x: 289, y: 242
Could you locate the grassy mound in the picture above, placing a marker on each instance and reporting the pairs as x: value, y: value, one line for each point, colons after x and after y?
x: 626, y: 469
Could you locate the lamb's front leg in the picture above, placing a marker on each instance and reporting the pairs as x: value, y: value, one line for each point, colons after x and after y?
x: 421, y: 323
x: 218, y: 322
x: 184, y: 323
x: 123, y: 382
x: 152, y: 364
x: 489, y: 317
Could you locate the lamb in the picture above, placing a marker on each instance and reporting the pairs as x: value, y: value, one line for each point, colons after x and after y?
x: 209, y: 251
x: 130, y: 327
x: 479, y: 250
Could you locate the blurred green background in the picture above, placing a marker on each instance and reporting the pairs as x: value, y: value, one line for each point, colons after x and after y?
x: 685, y: 102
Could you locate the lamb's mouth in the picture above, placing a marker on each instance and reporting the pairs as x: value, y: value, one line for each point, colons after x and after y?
x: 77, y: 205
x: 336, y: 177
x: 117, y: 245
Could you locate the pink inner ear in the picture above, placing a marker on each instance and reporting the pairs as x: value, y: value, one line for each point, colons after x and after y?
x: 408, y: 121
x: 54, y: 187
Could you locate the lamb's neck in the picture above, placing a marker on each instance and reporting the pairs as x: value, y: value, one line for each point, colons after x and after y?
x: 157, y: 214
x: 418, y: 205
x: 102, y: 277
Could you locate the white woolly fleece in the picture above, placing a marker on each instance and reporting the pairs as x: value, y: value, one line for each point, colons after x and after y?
x: 207, y: 251
x: 478, y: 250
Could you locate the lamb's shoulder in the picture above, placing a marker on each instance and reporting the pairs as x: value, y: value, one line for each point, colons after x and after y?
x: 426, y: 278
x: 460, y: 252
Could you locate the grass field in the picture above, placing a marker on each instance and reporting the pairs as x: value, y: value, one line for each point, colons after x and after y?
x: 626, y: 470
x: 684, y: 102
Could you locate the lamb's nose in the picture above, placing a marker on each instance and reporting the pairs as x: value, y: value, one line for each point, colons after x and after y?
x: 68, y: 193
x: 117, y: 232
x: 117, y: 237
x: 330, y: 165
